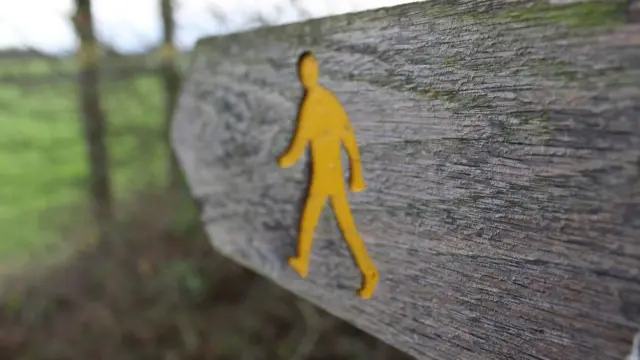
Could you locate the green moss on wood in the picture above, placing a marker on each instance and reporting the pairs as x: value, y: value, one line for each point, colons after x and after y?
x: 584, y: 14
x: 451, y: 61
x: 465, y: 101
x: 521, y: 126
x: 541, y: 122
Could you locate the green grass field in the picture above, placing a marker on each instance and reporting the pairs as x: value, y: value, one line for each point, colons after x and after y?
x: 43, y: 164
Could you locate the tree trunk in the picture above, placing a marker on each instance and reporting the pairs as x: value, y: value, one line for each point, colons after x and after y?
x: 93, y: 119
x: 171, y: 79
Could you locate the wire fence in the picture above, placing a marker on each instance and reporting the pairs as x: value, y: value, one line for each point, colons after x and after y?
x: 43, y: 154
x: 47, y: 169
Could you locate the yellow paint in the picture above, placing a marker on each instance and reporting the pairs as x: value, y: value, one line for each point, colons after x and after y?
x: 88, y: 55
x: 167, y: 52
x: 323, y: 123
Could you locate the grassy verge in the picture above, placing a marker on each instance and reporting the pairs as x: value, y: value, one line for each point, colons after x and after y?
x: 42, y: 152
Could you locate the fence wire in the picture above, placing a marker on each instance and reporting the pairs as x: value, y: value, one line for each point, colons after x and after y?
x: 44, y: 161
x: 43, y: 156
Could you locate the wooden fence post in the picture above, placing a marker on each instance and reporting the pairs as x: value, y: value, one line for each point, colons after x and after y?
x: 171, y: 79
x: 93, y: 118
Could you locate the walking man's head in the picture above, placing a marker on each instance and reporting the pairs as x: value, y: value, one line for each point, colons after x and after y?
x: 308, y: 70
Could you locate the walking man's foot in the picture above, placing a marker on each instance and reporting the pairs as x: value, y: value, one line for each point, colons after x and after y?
x: 300, y: 265
x: 369, y: 281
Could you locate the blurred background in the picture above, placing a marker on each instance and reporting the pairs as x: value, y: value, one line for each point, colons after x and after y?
x: 101, y: 252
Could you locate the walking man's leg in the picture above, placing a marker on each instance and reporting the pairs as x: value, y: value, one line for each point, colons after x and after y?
x: 308, y: 221
x: 356, y: 246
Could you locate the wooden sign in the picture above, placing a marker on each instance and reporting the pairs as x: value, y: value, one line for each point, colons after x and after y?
x: 500, y: 147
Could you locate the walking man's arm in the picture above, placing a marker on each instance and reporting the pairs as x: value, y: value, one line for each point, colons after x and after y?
x: 300, y: 138
x: 356, y: 181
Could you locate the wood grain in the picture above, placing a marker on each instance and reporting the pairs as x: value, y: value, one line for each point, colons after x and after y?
x: 500, y: 142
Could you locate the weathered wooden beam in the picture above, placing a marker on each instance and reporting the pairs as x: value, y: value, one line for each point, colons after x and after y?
x: 500, y: 142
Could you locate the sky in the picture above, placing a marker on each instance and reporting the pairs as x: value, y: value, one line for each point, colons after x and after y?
x: 134, y: 25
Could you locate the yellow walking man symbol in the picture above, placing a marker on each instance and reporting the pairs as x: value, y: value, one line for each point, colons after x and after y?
x: 324, y: 124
